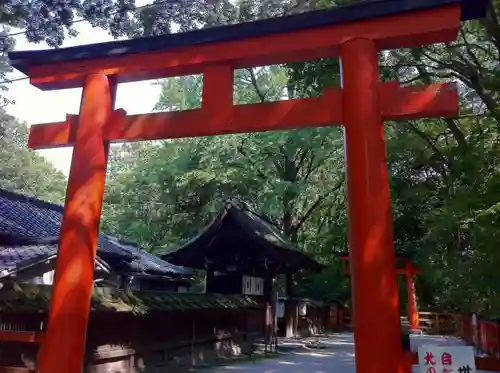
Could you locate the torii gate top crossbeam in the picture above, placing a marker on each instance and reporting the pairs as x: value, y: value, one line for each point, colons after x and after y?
x: 309, y: 35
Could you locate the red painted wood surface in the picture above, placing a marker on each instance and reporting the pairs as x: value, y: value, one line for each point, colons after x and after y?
x: 20, y: 336
x: 371, y: 248
x: 408, y: 30
x: 63, y: 346
x: 410, y: 271
x: 396, y: 103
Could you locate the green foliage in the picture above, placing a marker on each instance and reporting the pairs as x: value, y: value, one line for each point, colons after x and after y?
x: 444, y: 173
x: 180, y: 93
x: 445, y: 180
x: 23, y: 170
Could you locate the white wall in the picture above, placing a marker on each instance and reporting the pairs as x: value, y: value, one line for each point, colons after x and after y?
x: 46, y: 278
x: 44, y: 275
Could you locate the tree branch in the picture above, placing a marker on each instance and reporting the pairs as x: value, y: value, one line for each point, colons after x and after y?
x: 253, y: 79
x: 241, y: 150
x: 471, y: 54
x: 315, y: 205
x: 436, y: 150
x: 458, y: 135
x: 490, y: 23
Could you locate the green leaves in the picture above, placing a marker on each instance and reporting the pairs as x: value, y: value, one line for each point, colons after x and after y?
x: 24, y: 171
x: 292, y: 176
x: 180, y: 93
x: 445, y: 182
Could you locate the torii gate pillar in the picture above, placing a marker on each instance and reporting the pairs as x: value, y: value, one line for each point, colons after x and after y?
x: 373, y: 263
x: 410, y: 271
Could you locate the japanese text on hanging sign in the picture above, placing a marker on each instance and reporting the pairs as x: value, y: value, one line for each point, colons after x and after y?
x: 446, y: 359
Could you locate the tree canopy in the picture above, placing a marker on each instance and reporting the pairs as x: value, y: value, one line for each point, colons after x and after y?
x: 22, y: 169
x: 445, y: 177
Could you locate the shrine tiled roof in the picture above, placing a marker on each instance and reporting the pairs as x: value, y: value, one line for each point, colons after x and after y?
x: 16, y: 297
x: 240, y: 234
x: 29, y: 234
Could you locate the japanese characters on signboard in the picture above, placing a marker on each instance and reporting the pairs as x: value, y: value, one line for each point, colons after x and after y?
x: 253, y: 285
x: 446, y: 359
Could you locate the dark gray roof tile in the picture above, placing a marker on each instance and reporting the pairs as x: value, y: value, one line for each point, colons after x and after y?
x: 29, y: 231
x: 252, y: 238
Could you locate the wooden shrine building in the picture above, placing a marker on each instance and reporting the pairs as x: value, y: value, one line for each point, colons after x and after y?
x: 242, y: 253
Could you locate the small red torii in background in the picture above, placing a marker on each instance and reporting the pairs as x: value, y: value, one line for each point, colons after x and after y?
x: 409, y: 271
x: 356, y: 33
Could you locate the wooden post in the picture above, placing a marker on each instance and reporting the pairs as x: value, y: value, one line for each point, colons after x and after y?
x: 290, y: 308
x: 373, y: 264
x: 113, y: 90
x: 412, y: 301
x: 209, y: 279
x: 340, y: 318
x: 63, y: 347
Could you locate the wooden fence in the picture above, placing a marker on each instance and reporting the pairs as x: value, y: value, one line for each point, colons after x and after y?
x: 125, y: 343
x: 438, y: 323
x: 130, y: 331
x: 433, y: 323
x: 482, y: 334
x: 479, y: 332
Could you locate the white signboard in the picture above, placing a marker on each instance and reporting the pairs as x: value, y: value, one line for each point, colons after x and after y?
x: 302, y: 309
x: 253, y: 285
x: 280, y: 309
x: 446, y: 359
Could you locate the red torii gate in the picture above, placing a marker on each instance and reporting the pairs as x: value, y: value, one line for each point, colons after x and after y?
x: 409, y: 271
x: 356, y: 33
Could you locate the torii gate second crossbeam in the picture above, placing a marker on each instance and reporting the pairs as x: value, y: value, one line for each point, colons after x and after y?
x: 356, y: 33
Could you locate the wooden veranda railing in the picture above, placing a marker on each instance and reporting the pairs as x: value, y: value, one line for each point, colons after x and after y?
x: 20, y: 330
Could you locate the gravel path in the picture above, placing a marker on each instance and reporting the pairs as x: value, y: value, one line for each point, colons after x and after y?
x: 336, y: 357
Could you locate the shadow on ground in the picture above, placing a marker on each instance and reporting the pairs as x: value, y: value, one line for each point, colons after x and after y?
x: 336, y: 354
